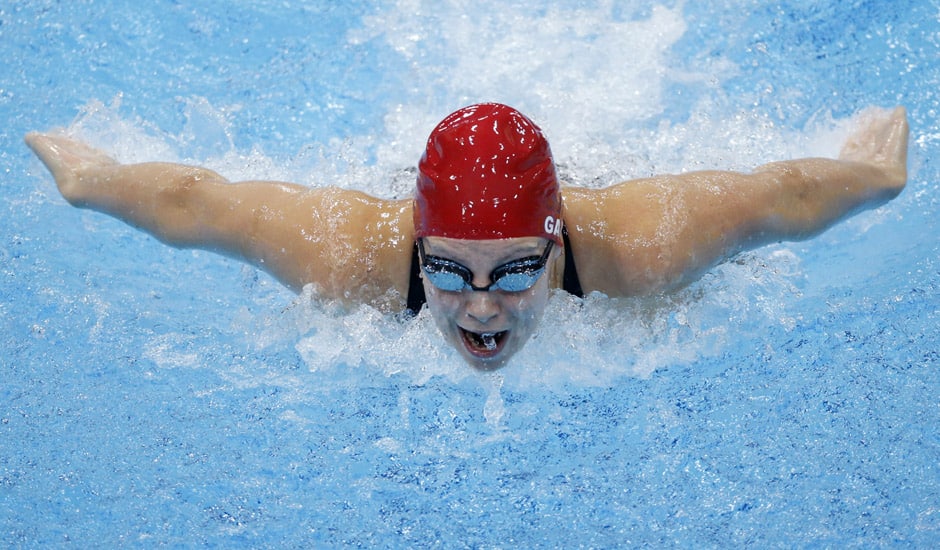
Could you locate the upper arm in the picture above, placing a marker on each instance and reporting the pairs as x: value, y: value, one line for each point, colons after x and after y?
x: 349, y: 245
x: 650, y: 235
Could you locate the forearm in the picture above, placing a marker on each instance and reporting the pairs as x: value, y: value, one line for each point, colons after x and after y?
x: 663, y: 232
x: 812, y: 194
x: 155, y: 197
x: 804, y: 197
x: 728, y: 212
x: 183, y: 206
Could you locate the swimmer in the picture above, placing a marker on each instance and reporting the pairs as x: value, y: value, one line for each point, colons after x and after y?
x: 489, y: 232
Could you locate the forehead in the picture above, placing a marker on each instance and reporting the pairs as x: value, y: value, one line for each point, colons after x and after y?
x: 493, y: 250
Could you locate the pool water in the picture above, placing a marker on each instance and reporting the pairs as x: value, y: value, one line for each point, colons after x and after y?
x: 153, y: 396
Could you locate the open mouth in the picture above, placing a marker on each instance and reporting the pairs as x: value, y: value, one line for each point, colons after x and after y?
x: 484, y: 344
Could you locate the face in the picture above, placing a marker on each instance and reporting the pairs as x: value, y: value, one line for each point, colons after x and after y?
x: 487, y: 327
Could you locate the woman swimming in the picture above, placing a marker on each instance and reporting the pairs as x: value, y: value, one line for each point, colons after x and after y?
x: 490, y: 231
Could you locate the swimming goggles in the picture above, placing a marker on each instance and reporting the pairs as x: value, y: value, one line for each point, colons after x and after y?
x: 514, y: 276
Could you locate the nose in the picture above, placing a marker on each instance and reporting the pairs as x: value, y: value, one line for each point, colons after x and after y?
x: 482, y: 306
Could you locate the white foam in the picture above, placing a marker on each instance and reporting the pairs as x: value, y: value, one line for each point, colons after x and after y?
x: 597, y: 85
x: 127, y: 140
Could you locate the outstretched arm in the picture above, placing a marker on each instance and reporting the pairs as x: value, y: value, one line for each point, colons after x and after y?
x: 350, y: 245
x: 661, y: 233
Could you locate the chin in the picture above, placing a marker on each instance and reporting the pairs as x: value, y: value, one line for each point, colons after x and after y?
x: 486, y: 365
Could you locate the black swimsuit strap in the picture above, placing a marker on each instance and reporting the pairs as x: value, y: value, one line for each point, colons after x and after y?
x: 570, y: 282
x: 416, y: 298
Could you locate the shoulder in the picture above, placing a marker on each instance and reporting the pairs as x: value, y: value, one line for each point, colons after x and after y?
x: 380, y: 233
x: 357, y: 246
x: 620, y: 236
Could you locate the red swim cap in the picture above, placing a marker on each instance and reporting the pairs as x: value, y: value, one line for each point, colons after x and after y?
x: 487, y: 173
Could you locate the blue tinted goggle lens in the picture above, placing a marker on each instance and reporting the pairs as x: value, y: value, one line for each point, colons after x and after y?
x: 514, y: 276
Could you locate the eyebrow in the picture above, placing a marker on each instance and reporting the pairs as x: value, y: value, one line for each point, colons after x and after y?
x: 518, y: 252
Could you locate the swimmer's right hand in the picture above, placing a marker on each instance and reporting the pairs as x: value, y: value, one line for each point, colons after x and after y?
x: 71, y: 162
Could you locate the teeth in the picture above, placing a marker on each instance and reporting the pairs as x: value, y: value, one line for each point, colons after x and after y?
x: 484, y: 340
x: 489, y: 340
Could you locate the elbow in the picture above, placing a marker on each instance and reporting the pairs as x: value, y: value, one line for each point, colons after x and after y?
x: 180, y: 193
x: 645, y: 270
x: 179, y: 209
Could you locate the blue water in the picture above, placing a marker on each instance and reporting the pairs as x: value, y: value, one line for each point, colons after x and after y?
x: 152, y: 396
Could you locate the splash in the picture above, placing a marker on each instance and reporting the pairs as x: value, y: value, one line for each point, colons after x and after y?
x: 593, y: 342
x: 598, y: 80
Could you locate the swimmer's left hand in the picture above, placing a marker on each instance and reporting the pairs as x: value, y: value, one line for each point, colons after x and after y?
x: 880, y: 140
